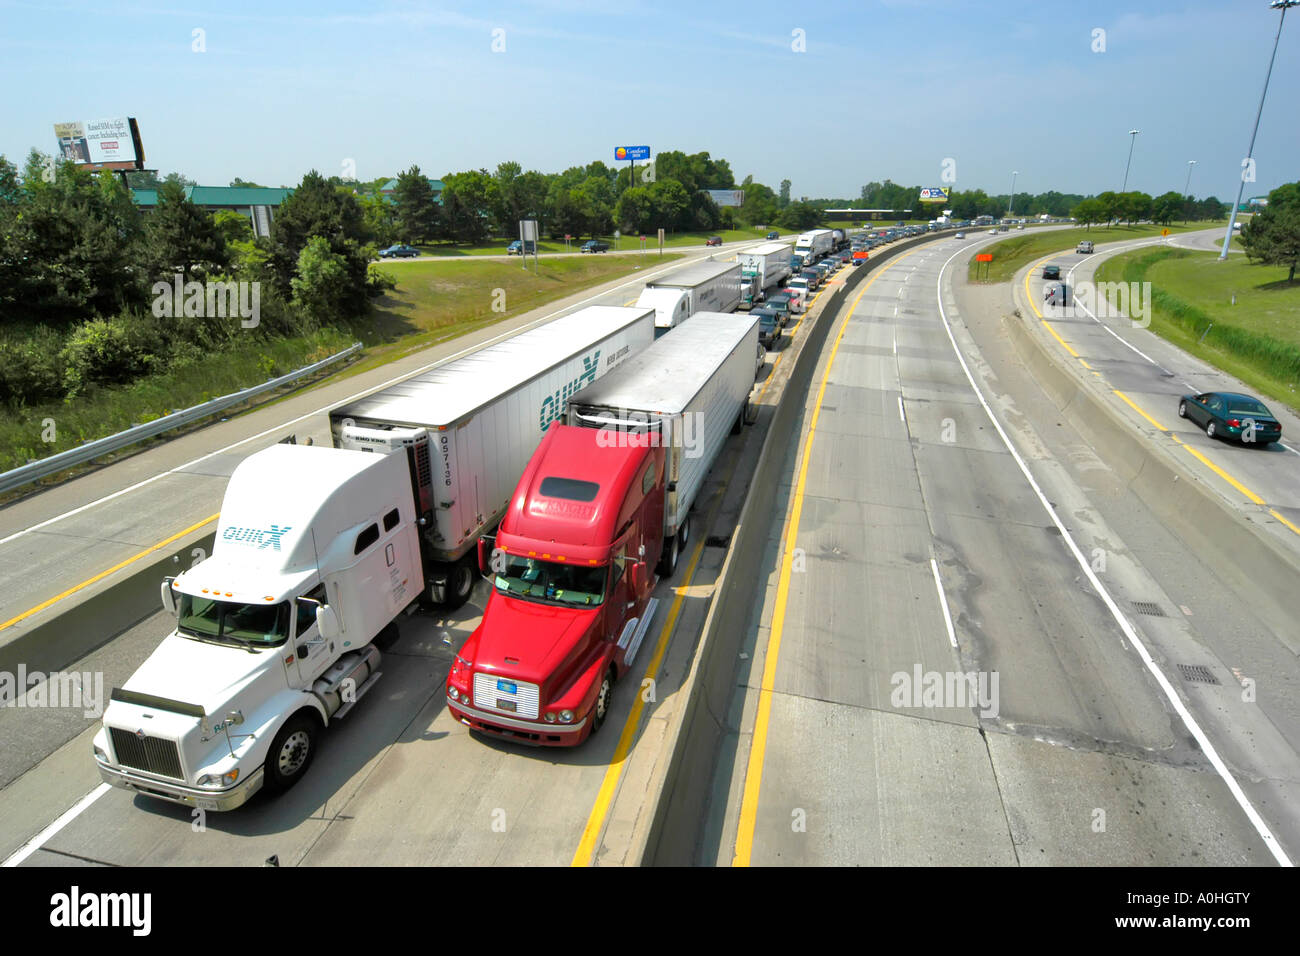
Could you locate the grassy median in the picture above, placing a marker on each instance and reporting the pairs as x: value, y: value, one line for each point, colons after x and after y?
x: 1020, y: 249
x: 1239, y: 317
x: 497, y: 247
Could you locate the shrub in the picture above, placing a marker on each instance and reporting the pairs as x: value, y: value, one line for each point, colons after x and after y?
x: 102, y: 352
x: 31, y: 367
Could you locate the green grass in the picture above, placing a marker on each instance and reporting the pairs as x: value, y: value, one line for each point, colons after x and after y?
x: 437, y: 301
x: 1257, y: 339
x: 99, y: 411
x: 1017, y: 251
x: 497, y: 247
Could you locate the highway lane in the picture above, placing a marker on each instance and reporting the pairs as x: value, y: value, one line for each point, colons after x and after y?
x: 633, y: 248
x: 398, y: 781
x: 65, y: 535
x: 1144, y: 376
x: 906, y: 511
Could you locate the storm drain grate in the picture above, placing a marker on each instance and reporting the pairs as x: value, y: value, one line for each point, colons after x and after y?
x: 1197, y: 672
x: 717, y: 541
x: 1149, y: 608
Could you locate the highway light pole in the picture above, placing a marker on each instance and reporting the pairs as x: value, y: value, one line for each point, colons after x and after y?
x: 1011, y: 206
x: 1232, y: 216
x: 1134, y: 134
x: 1190, y: 164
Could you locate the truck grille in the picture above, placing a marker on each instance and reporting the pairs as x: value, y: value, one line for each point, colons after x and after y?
x: 493, y: 693
x: 150, y: 754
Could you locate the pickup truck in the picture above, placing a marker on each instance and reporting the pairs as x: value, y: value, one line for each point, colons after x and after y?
x: 594, y: 245
x: 1085, y: 247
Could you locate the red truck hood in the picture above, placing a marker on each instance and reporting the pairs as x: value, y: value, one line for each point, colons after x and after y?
x: 530, y: 641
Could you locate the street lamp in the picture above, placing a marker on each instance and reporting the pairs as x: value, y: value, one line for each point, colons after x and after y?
x: 1232, y: 216
x: 1011, y: 206
x: 1190, y: 164
x: 1134, y: 134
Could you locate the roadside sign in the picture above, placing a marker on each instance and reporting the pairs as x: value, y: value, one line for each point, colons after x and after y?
x: 984, y: 257
x: 626, y: 153
x: 860, y: 254
x: 1164, y: 232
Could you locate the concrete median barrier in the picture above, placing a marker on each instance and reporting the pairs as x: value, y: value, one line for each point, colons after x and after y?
x: 52, y: 639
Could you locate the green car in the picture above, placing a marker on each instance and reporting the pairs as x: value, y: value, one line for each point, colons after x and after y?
x: 769, y: 327
x: 779, y: 302
x: 1231, y: 415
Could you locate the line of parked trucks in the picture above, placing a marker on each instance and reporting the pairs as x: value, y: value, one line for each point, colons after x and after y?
x: 563, y: 463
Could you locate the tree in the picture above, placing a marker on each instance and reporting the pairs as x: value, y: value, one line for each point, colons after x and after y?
x: 321, y: 287
x: 784, y: 196
x: 634, y: 209
x: 1272, y: 237
x: 415, y: 214
x: 1167, y: 207
x: 1089, y: 211
x: 317, y: 209
x: 181, y: 237
x: 467, y: 204
x: 800, y: 215
x: 246, y: 183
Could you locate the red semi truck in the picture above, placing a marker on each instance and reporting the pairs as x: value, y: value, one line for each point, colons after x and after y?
x: 572, y: 577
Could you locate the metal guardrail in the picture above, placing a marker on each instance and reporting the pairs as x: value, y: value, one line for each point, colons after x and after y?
x: 36, y: 470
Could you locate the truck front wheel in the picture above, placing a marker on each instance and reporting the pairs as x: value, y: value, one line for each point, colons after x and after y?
x: 291, y: 752
x: 603, y: 699
x: 668, y: 560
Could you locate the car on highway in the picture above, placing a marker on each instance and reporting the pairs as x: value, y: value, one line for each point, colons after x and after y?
x: 713, y: 241
x: 774, y: 235
x: 960, y: 235
x: 1054, y: 293
x: 594, y: 245
x: 1232, y: 415
x: 521, y: 247
x: 769, y: 327
x: 782, y: 303
x: 399, y: 251
x: 1051, y: 272
x: 1084, y: 247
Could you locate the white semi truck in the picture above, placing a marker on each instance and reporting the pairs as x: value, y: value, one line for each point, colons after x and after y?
x: 812, y: 245
x: 707, y: 286
x: 687, y: 391
x: 761, y: 268
x: 474, y: 423
x: 317, y: 552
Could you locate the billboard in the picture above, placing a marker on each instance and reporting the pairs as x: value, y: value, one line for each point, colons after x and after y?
x: 625, y: 153
x: 934, y: 194
x: 727, y: 197
x: 107, y: 143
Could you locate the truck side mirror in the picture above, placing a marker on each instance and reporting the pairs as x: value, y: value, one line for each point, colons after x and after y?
x: 168, y: 596
x: 327, y: 622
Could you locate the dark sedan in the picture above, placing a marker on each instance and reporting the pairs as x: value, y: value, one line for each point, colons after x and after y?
x: 1231, y: 415
x: 774, y: 235
x: 769, y: 327
x: 713, y: 241
x: 399, y: 252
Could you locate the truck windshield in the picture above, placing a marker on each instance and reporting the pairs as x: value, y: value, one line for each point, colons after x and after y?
x: 204, y: 617
x: 550, y: 583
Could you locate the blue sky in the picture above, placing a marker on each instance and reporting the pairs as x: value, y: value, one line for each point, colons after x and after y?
x: 883, y: 88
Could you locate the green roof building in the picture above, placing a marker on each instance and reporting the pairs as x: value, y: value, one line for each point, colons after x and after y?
x: 387, y: 189
x: 255, y: 202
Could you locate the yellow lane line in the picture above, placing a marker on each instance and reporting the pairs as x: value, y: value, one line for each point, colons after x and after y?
x: 758, y: 745
x: 103, y: 574
x: 1225, y: 476
x: 1138, y: 408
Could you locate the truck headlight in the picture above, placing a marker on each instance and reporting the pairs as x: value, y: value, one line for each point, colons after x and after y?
x: 453, y: 693
x: 566, y: 716
x: 217, y: 781
x: 550, y: 716
x: 100, y: 754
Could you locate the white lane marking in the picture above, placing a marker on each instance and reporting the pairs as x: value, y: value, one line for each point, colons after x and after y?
x: 1202, y: 739
x: 38, y: 841
x: 325, y: 408
x: 896, y: 337
x: 943, y: 602
x: 901, y: 417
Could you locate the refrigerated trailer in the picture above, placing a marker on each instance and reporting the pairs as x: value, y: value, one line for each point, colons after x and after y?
x: 471, y: 425
x: 686, y: 391
x: 761, y: 268
x: 707, y: 286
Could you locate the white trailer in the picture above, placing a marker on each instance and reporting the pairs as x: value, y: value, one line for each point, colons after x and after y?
x: 317, y: 552
x: 707, y: 286
x: 687, y: 391
x: 473, y: 423
x: 812, y: 245
x: 761, y: 268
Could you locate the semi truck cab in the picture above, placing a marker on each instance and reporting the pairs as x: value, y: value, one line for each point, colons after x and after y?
x: 571, y: 603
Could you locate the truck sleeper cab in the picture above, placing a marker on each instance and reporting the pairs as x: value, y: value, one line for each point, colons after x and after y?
x: 571, y: 603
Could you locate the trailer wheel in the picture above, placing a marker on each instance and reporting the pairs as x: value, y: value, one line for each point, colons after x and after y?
x: 460, y: 583
x: 684, y: 533
x: 668, y: 560
x: 603, y: 699
x: 291, y: 752
x: 739, y: 425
